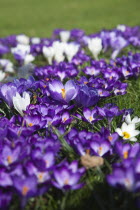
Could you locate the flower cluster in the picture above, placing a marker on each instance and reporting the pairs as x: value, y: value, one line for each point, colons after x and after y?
x: 58, y: 111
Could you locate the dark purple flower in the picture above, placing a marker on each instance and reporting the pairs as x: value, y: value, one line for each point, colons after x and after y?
x: 5, y: 198
x: 87, y: 96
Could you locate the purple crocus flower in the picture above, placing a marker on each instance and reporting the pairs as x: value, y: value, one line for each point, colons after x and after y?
x: 117, y: 43
x: 8, y: 155
x: 3, y: 50
x: 35, y: 121
x: 7, y: 92
x: 87, y: 96
x: 127, y: 150
x: 27, y: 187
x: 42, y: 176
x: 124, y: 177
x: 5, y: 178
x: 100, y: 148
x: 67, y: 176
x: 90, y: 115
x: 91, y: 70
x: 63, y: 93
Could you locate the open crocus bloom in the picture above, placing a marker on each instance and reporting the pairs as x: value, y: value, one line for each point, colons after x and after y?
x: 63, y: 93
x: 128, y: 132
x: 21, y: 103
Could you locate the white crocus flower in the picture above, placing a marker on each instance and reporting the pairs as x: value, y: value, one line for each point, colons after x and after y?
x: 2, y: 75
x: 28, y: 59
x: 21, y: 49
x: 95, y: 46
x: 59, y: 48
x: 7, y: 65
x: 121, y: 27
x: 135, y: 120
x: 59, y: 57
x: 35, y: 40
x: 127, y: 132
x: 71, y: 50
x: 23, y: 39
x: 21, y: 103
x: 48, y: 53
x: 64, y: 36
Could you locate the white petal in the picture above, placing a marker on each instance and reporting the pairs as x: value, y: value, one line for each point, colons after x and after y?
x: 133, y: 139
x: 124, y: 127
x: 128, y: 119
x: 119, y: 131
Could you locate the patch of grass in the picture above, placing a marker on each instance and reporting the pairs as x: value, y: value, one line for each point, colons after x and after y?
x: 40, y: 18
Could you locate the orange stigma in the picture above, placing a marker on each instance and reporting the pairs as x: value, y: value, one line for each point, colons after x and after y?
x: 66, y: 182
x: 9, y: 159
x: 64, y: 120
x: 30, y: 124
x: 25, y: 190
x: 100, y: 150
x: 125, y: 155
x: 63, y: 93
x: 110, y: 138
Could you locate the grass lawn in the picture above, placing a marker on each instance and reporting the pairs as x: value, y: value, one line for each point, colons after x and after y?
x: 41, y: 17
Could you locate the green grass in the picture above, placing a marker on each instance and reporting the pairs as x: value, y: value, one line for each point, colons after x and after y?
x: 41, y: 17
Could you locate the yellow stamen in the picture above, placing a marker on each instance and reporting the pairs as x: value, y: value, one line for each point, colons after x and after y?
x: 90, y: 118
x: 126, y: 135
x: 9, y: 159
x: 63, y: 92
x: 25, y: 190
x: 125, y: 155
x: 30, y: 124
x: 85, y: 83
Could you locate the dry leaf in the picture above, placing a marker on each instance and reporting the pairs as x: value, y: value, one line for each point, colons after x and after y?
x: 91, y: 161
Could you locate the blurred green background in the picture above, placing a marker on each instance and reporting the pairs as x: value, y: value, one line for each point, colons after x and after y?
x: 41, y: 17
